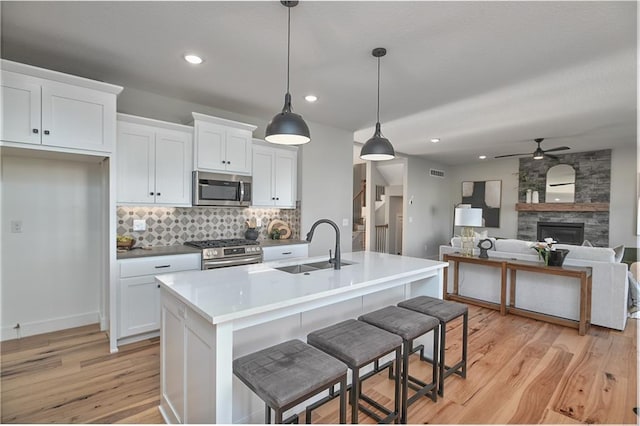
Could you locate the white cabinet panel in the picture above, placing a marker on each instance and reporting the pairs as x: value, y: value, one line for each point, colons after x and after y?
x: 173, y: 360
x: 173, y: 173
x: 139, y: 293
x: 210, y: 142
x: 20, y: 103
x: 262, y: 177
x: 75, y: 117
x: 222, y: 145
x: 153, y: 163
x: 50, y: 113
x: 279, y: 252
x: 140, y: 305
x: 274, y: 176
x: 135, y: 166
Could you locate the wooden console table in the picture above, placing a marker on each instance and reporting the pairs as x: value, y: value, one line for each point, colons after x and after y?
x: 494, y: 262
x: 583, y: 274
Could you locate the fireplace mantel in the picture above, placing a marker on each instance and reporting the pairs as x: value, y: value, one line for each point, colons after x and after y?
x: 562, y: 207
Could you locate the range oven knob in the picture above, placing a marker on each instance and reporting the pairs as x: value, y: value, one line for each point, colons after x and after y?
x: 215, y: 252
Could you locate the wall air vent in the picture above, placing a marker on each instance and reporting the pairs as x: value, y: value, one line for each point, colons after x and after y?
x: 436, y: 173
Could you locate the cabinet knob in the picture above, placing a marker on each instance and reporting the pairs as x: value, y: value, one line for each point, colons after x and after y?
x: 35, y: 131
x: 224, y: 162
x: 158, y: 285
x: 228, y: 162
x: 46, y: 132
x: 273, y: 198
x: 151, y: 193
x: 158, y: 194
x: 277, y: 198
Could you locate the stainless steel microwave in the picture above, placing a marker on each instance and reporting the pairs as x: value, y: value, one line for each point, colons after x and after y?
x: 218, y: 189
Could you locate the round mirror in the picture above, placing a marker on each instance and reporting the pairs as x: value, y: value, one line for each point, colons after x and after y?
x: 561, y: 184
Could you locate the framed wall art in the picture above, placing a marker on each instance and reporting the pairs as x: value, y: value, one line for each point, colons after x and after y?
x: 486, y: 195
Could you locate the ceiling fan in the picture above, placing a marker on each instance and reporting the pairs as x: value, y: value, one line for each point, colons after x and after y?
x: 539, y: 153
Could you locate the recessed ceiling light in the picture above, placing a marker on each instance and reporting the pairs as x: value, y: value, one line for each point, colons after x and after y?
x: 193, y: 59
x: 482, y: 157
x: 435, y: 140
x: 311, y: 98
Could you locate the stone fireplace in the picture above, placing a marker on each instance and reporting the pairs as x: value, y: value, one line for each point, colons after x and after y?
x: 592, y: 185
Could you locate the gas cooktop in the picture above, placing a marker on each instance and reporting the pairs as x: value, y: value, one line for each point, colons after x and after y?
x: 230, y: 242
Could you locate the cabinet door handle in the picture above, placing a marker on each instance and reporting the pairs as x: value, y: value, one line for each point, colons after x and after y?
x: 35, y: 131
x: 163, y: 266
x: 46, y: 132
x: 287, y: 252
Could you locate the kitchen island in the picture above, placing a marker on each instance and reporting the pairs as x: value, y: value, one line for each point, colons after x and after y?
x: 211, y: 317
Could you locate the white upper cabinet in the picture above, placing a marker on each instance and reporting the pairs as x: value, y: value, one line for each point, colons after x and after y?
x: 56, y: 111
x: 222, y: 145
x: 153, y: 162
x: 274, y: 176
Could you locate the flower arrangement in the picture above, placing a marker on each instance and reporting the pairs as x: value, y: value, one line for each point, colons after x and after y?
x: 544, y: 249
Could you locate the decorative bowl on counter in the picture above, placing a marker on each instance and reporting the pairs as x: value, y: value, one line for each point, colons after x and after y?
x: 125, y: 243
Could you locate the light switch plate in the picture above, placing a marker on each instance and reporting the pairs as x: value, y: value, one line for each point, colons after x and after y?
x: 16, y: 226
x: 139, y: 225
x: 345, y: 222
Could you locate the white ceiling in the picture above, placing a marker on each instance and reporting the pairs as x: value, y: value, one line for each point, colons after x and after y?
x: 485, y: 77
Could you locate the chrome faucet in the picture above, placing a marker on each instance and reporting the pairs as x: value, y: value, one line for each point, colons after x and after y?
x: 336, y: 260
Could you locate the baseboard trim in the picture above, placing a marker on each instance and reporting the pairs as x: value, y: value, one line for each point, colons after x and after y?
x: 48, y: 325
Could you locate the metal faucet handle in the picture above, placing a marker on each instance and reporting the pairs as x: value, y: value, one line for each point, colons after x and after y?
x: 331, y: 259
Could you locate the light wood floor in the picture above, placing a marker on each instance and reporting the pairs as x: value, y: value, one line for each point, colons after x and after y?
x: 520, y: 371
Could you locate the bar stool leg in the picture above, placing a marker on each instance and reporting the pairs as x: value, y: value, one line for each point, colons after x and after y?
x: 278, y: 416
x: 343, y: 400
x: 443, y: 336
x: 406, y: 349
x: 397, y: 384
x: 434, y: 370
x: 267, y: 414
x: 465, y: 325
x: 355, y: 393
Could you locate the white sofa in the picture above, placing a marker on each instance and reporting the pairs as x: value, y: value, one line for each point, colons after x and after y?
x: 550, y: 294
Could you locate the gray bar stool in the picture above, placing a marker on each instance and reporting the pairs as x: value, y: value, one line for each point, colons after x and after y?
x: 409, y: 325
x: 358, y: 344
x: 289, y: 373
x: 445, y: 311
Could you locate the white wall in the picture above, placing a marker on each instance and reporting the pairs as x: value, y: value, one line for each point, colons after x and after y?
x: 505, y: 170
x: 51, y: 271
x: 325, y: 170
x: 428, y: 206
x: 623, y: 207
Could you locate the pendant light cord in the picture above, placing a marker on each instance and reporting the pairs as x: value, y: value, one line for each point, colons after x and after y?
x: 288, y: 45
x: 378, y: 115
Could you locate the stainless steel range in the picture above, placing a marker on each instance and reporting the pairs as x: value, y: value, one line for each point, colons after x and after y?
x: 228, y: 252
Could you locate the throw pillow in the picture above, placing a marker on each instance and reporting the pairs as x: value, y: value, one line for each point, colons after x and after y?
x: 587, y: 243
x: 619, y: 250
x: 481, y: 235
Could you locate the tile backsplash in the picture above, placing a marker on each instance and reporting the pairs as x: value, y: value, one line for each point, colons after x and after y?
x: 175, y: 225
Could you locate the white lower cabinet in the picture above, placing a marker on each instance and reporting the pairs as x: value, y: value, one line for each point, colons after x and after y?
x: 139, y: 294
x: 280, y: 252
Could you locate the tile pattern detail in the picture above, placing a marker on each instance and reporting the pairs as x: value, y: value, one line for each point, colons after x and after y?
x: 175, y: 225
x: 593, y: 185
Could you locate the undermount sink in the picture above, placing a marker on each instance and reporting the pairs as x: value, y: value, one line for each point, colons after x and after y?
x: 309, y: 267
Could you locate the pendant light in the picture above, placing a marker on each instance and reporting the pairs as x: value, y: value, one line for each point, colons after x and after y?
x: 286, y: 127
x: 378, y: 148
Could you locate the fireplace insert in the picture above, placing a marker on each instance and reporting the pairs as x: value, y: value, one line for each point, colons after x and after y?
x: 565, y: 233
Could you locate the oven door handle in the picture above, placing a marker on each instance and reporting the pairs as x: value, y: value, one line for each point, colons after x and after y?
x: 253, y: 259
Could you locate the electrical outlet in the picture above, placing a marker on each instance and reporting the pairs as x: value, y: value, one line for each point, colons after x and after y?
x: 139, y: 225
x: 16, y: 226
x: 345, y: 222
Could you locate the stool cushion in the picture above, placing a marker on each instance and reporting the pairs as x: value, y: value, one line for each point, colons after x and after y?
x: 283, y: 373
x: 403, y: 322
x: 444, y: 310
x: 355, y: 343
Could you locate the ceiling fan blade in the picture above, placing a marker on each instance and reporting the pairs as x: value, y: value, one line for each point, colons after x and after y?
x: 511, y: 155
x: 550, y: 156
x: 560, y: 148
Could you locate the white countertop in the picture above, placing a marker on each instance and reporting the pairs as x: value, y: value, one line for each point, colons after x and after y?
x: 228, y: 294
